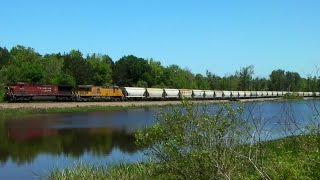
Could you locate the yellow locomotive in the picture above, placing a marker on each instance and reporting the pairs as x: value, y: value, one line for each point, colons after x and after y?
x: 90, y: 93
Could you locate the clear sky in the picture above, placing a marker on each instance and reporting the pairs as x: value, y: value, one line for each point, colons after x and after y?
x: 219, y: 36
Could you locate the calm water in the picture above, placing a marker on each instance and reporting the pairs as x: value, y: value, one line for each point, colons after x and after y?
x: 32, y: 146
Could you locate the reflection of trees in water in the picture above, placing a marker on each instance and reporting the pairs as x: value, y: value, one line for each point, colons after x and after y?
x: 4, y: 155
x: 122, y: 142
x: 73, y: 142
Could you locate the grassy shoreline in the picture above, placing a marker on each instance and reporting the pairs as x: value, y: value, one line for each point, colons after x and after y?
x: 15, y: 113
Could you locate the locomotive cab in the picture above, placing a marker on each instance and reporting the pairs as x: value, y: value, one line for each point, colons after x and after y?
x: 13, y: 90
x: 8, y: 94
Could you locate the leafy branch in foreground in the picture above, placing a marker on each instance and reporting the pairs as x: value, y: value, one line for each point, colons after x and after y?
x: 197, y: 142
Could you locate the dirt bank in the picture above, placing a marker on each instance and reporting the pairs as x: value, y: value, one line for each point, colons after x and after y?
x: 47, y: 105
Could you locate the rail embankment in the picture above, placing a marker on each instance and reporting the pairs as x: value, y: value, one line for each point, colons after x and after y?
x: 63, y: 105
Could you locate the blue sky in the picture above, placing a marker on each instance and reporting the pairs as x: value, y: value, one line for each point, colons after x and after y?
x: 219, y: 36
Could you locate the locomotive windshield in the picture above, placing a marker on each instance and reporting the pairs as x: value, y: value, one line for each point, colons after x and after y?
x: 8, y: 89
x: 7, y: 94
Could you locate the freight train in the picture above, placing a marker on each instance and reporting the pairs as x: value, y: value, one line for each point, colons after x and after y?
x: 24, y: 92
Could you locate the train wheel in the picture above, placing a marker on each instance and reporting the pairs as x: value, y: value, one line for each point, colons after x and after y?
x: 28, y: 99
x: 12, y: 99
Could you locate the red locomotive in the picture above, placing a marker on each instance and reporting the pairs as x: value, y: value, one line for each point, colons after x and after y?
x: 27, y: 92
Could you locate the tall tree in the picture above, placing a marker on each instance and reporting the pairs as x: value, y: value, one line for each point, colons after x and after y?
x: 293, y: 81
x: 157, y: 73
x: 21, y: 54
x: 4, y: 56
x: 230, y: 82
x: 259, y: 84
x: 201, y: 82
x: 78, y: 67
x: 101, y: 69
x: 52, y: 64
x: 24, y: 65
x: 277, y: 80
x: 312, y: 84
x: 130, y: 69
x: 245, y: 76
x: 215, y: 82
x: 179, y: 78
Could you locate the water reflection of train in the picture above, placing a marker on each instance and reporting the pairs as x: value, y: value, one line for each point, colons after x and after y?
x: 27, y: 92
x: 22, y: 141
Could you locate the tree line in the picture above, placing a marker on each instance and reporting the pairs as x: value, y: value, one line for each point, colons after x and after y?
x: 24, y: 64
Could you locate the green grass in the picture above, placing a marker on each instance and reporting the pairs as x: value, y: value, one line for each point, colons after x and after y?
x: 294, y: 157
x: 14, y: 113
x: 87, y: 172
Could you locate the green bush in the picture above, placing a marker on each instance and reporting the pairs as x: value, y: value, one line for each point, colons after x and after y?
x: 292, y: 96
x: 194, y: 143
x: 2, y: 92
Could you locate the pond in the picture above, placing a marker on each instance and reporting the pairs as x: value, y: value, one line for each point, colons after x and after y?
x: 31, y: 146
